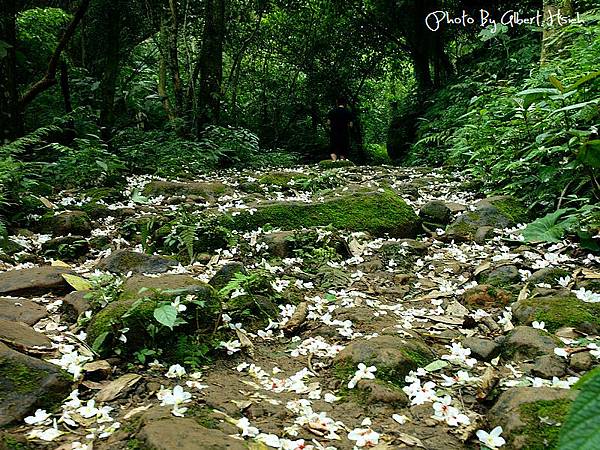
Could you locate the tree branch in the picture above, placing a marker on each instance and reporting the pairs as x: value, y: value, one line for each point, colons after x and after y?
x: 49, y: 78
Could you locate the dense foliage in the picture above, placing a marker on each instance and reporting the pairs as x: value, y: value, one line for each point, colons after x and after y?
x: 97, y: 90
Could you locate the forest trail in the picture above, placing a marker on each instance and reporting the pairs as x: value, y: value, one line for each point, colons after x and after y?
x: 461, y: 325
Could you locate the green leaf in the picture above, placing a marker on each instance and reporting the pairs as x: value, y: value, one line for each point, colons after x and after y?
x: 436, y: 365
x: 589, y: 154
x: 581, y: 430
x: 166, y: 315
x: 102, y: 165
x: 585, y: 79
x: 137, y: 197
x: 97, y: 345
x: 78, y: 283
x: 549, y: 228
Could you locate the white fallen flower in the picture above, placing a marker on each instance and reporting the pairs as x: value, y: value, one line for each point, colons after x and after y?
x: 175, y: 371
x: 39, y: 416
x: 492, y: 439
x: 363, y: 372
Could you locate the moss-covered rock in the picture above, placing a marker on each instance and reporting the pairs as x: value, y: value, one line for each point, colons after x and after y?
x: 375, y: 212
x: 135, y: 311
x: 393, y: 356
x: 531, y: 417
x: 139, y: 286
x: 549, y: 275
x: 67, y: 222
x: 329, y: 164
x: 280, y: 179
x: 28, y: 383
x: 124, y: 261
x: 208, y: 191
x: 559, y: 312
x: 496, y: 212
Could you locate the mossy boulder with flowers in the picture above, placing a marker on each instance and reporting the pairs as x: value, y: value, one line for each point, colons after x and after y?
x: 393, y: 356
x: 378, y: 213
x: 137, y: 319
x: 558, y: 312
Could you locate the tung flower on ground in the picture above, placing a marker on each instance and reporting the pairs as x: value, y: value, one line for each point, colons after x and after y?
x: 364, y: 437
x: 363, y: 372
x: 492, y: 439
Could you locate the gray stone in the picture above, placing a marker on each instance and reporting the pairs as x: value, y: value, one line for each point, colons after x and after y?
x: 124, y: 261
x: 225, y: 274
x: 22, y: 337
x: 482, y: 349
x: 435, y: 212
x: 503, y: 276
x: 27, y: 383
x: 581, y: 361
x: 68, y: 222
x: 548, y: 366
x: 66, y: 248
x: 185, y: 434
x: 34, y: 281
x: 21, y: 310
x: 524, y: 343
x: 74, y: 304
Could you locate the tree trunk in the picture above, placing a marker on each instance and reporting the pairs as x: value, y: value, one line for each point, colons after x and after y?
x: 11, y: 122
x: 211, y: 64
x: 169, y: 55
x: 110, y: 71
x: 552, y: 10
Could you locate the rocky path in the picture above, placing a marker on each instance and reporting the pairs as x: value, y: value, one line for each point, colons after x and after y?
x: 302, y: 309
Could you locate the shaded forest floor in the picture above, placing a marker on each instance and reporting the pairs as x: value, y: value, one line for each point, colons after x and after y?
x: 461, y: 326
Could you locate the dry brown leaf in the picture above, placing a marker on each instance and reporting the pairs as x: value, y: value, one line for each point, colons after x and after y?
x: 489, y: 379
x: 117, y: 387
x: 246, y: 343
x: 523, y: 293
x: 297, y: 318
x: 409, y: 440
x: 587, y: 273
x: 482, y: 267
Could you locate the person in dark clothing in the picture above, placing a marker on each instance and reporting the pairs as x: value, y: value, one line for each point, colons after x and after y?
x: 339, y: 120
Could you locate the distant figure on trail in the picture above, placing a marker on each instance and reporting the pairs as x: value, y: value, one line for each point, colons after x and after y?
x: 339, y: 120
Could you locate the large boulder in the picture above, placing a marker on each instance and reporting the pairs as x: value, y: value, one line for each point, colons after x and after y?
x: 135, y: 311
x: 208, y: 191
x: 21, y: 310
x: 34, y: 281
x: 124, y: 261
x: 68, y: 222
x: 531, y: 417
x: 280, y: 179
x: 378, y: 213
x: 394, y: 357
x: 225, y: 274
x: 27, y: 383
x: 171, y: 433
x: 66, y: 248
x: 496, y: 212
x: 139, y: 286
x: 558, y: 312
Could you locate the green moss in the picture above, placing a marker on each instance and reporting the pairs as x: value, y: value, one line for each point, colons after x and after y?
x: 558, y: 312
x: 420, y: 358
x: 512, y: 210
x: 376, y: 212
x: 135, y: 444
x: 21, y: 379
x: 203, y: 415
x: 280, y: 179
x: 539, y: 433
x: 8, y: 442
x: 205, y: 190
x: 329, y: 164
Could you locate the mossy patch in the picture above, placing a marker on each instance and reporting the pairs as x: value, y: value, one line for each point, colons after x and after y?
x: 558, y: 312
x: 279, y: 179
x: 205, y: 190
x: 204, y: 416
x: 543, y: 419
x: 375, y: 212
x: 144, y: 330
x: 10, y: 442
x: 512, y: 210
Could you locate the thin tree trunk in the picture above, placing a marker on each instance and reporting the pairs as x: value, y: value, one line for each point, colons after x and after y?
x: 211, y: 64
x: 11, y: 122
x: 110, y: 72
x: 169, y: 31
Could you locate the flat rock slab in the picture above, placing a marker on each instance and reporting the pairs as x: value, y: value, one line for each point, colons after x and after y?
x: 124, y: 261
x: 21, y: 310
x: 27, y: 383
x: 186, y: 434
x: 34, y: 281
x: 22, y: 337
x: 206, y: 190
